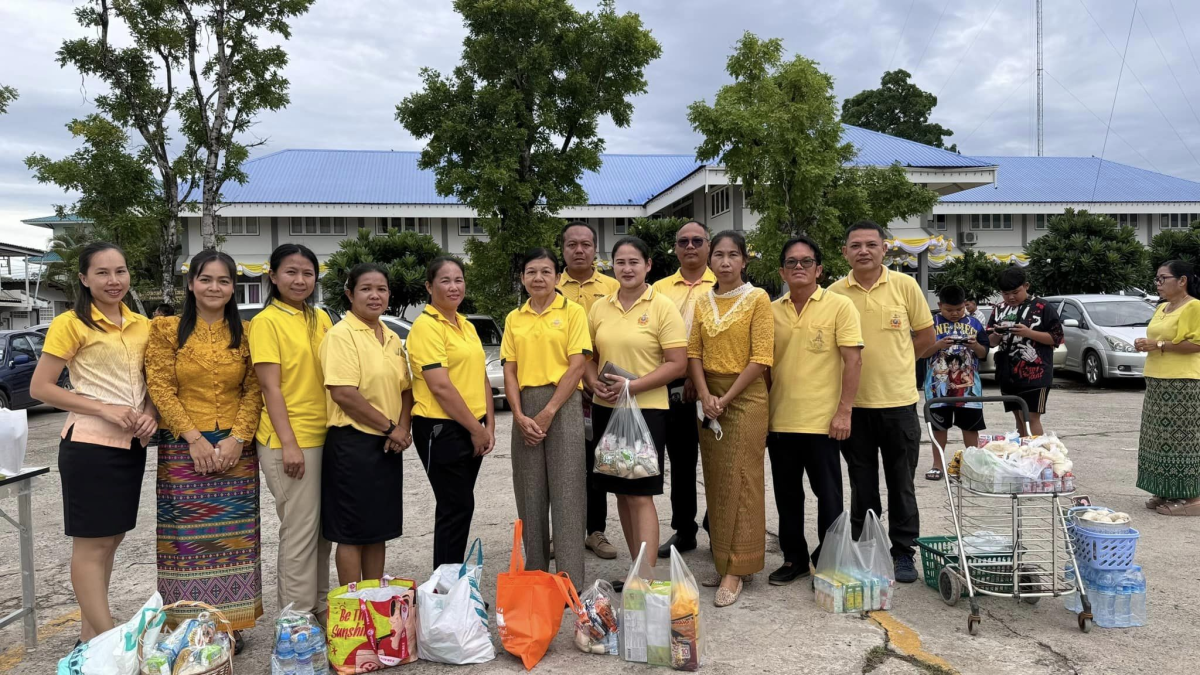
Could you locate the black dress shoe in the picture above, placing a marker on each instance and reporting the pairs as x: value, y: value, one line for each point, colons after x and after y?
x: 618, y: 585
x: 681, y: 544
x: 788, y: 573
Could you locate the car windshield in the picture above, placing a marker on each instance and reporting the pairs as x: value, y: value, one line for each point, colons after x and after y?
x: 1119, y: 314
x: 489, y: 332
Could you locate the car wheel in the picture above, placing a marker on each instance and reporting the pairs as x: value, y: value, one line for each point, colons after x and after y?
x: 1093, y: 370
x: 3, y: 400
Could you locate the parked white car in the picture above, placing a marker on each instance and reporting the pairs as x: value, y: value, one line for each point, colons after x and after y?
x: 988, y: 365
x: 490, y: 335
x: 1099, y: 331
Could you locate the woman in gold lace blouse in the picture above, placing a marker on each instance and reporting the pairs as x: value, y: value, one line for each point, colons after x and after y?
x: 199, y: 374
x: 732, y: 344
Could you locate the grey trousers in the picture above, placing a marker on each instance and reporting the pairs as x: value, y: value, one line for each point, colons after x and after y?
x: 549, y: 477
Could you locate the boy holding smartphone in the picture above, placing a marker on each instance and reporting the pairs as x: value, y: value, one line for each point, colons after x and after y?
x: 952, y: 369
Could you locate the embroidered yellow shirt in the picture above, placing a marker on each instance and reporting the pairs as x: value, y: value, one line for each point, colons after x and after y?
x: 745, y: 334
x: 280, y: 334
x: 586, y: 293
x: 205, y: 385
x: 351, y: 356
x: 106, y: 365
x: 542, y: 344
x: 635, y: 339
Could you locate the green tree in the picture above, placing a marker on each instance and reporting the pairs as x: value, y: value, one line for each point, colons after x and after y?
x: 67, y: 246
x: 1175, y: 245
x: 7, y: 95
x: 117, y: 191
x: 659, y: 235
x: 776, y: 130
x: 899, y: 108
x: 404, y: 254
x: 973, y: 271
x: 1083, y: 252
x: 512, y: 130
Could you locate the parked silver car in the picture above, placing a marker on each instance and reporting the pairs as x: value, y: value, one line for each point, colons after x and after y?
x: 1099, y: 331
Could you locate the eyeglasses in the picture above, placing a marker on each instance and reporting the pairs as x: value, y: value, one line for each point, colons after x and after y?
x: 806, y: 263
x: 696, y: 242
x: 1162, y: 278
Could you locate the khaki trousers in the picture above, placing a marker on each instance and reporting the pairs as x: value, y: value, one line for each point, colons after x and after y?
x: 302, y: 570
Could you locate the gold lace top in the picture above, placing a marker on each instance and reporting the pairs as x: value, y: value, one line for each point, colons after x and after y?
x: 732, y: 330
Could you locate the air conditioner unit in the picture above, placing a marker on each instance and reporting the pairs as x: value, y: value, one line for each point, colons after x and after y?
x: 969, y: 239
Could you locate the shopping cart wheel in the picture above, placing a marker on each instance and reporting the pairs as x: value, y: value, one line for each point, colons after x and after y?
x: 1085, y: 622
x: 949, y: 587
x: 973, y: 624
x: 1032, y: 582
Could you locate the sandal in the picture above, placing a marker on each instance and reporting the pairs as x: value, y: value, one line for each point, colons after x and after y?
x: 1179, y: 508
x: 1155, y: 502
x: 933, y: 474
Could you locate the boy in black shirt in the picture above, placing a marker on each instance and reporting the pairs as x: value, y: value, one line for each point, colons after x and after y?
x: 1025, y: 331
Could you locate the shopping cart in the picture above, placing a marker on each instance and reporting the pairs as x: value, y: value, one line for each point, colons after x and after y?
x: 1027, y: 552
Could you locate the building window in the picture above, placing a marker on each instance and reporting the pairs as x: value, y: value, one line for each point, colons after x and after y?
x: 249, y: 292
x: 1039, y: 221
x: 992, y: 221
x: 939, y: 221
x: 237, y: 226
x: 1177, y: 220
x: 718, y: 202
x: 317, y: 225
x: 469, y: 227
x: 1130, y: 219
x: 621, y: 225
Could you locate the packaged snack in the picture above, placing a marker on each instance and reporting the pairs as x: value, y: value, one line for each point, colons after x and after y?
x: 658, y: 624
x: 633, y: 612
x: 596, y: 627
x: 626, y: 449
x: 687, y: 637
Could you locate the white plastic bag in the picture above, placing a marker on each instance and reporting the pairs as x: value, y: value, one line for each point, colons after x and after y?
x: 985, y: 471
x: 14, y: 435
x: 598, y: 626
x: 855, y: 576
x: 452, y: 621
x: 875, y: 555
x: 633, y: 611
x: 115, y: 651
x: 687, y: 631
x: 626, y: 450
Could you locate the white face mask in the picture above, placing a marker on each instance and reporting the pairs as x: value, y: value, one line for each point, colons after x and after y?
x: 713, y: 425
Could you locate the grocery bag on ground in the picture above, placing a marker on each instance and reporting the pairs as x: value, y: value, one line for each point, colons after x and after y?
x: 687, y: 633
x: 14, y: 435
x: 199, y: 645
x: 452, y: 626
x: 852, y: 576
x: 875, y: 558
x: 529, y: 606
x: 372, y: 625
x: 633, y: 636
x: 626, y: 449
x: 289, y: 626
x: 598, y: 626
x: 117, y: 651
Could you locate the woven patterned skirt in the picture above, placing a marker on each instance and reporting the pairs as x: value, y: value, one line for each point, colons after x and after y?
x: 735, y: 478
x: 1169, y: 447
x: 208, y: 534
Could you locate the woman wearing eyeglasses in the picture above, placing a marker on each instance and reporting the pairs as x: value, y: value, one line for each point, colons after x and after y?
x: 731, y: 346
x: 1169, y: 449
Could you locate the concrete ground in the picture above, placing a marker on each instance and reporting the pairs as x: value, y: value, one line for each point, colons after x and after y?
x: 770, y: 629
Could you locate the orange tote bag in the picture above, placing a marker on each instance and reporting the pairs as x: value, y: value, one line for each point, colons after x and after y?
x: 529, y: 606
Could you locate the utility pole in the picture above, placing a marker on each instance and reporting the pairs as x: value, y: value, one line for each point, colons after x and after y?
x: 1039, y: 78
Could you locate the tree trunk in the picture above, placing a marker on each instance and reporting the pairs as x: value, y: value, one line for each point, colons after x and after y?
x: 166, y: 256
x: 208, y: 213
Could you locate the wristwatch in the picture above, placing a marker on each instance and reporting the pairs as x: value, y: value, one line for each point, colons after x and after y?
x: 240, y: 441
x: 390, y: 429
x: 1161, y: 344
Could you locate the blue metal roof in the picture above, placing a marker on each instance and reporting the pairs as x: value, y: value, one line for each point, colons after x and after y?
x: 1071, y: 179
x: 876, y: 149
x: 47, y: 221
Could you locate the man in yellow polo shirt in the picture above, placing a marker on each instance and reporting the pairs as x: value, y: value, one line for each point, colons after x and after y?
x: 897, y: 324
x: 583, y: 284
x: 691, y: 283
x: 818, y: 359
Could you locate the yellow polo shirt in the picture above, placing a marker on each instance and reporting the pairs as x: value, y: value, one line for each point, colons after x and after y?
x: 433, y: 343
x: 806, y: 380
x: 685, y: 294
x: 890, y: 312
x: 280, y: 334
x: 351, y: 356
x: 635, y: 339
x: 540, y: 344
x: 106, y: 365
x: 588, y: 292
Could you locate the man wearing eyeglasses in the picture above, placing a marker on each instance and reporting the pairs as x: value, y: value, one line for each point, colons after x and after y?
x: 896, y: 326
x: 691, y: 283
x: 818, y: 359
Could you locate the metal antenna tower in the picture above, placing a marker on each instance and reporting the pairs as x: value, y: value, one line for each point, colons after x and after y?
x: 1039, y: 78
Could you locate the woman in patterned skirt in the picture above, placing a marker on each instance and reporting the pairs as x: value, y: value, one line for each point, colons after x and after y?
x: 731, y: 346
x: 200, y: 378
x: 1169, y: 447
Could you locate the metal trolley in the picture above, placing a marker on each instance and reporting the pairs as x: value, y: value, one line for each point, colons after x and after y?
x: 1028, y: 557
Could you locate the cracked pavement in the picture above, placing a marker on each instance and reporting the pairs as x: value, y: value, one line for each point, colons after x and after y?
x: 770, y: 629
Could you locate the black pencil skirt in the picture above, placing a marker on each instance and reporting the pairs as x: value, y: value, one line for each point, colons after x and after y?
x: 362, y: 488
x: 101, y: 487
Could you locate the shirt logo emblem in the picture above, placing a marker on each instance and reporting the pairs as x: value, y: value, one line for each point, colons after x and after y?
x: 557, y: 323
x: 818, y: 340
x: 895, y: 321
x: 644, y: 319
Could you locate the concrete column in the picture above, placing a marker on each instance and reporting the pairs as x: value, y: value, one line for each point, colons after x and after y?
x: 923, y: 271
x: 1024, y: 229
x: 445, y: 234
x: 736, y: 199
x: 275, y: 232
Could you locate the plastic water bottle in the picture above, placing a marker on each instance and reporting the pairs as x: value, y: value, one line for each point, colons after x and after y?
x: 1106, y: 600
x: 303, y: 654
x: 285, y: 655
x: 1124, y: 600
x: 320, y: 655
x: 1137, y: 607
x: 1071, y: 601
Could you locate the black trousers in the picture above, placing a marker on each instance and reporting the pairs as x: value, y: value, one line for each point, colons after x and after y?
x: 683, y: 449
x: 597, y: 497
x: 791, y: 456
x: 448, y: 456
x: 895, y: 435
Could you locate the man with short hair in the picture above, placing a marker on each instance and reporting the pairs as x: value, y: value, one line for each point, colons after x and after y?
x: 896, y: 325
x: 818, y: 361
x: 688, y: 285
x: 163, y: 310
x: 583, y: 284
x: 974, y: 311
x: 1025, y: 331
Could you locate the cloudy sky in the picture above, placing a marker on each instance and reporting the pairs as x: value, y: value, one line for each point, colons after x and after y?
x: 353, y: 60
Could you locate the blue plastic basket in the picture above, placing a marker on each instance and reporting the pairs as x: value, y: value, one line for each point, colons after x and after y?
x: 1104, y: 551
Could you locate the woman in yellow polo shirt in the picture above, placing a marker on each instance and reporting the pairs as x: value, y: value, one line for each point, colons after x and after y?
x: 731, y: 346
x: 640, y: 331
x: 370, y: 424
x: 102, y: 454
x: 454, y: 422
x: 284, y: 341
x: 545, y: 345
